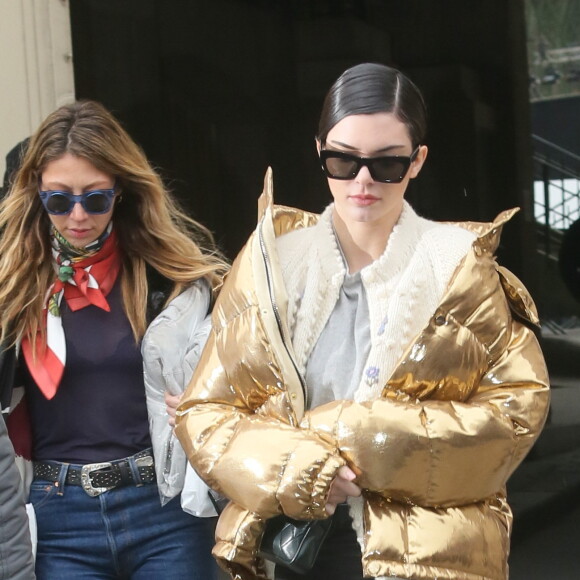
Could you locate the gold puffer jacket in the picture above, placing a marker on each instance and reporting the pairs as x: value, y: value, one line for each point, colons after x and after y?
x: 463, y: 407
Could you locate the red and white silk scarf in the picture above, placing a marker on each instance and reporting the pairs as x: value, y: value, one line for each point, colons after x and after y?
x: 84, y: 276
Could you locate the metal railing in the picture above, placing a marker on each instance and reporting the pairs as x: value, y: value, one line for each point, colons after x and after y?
x: 556, y: 192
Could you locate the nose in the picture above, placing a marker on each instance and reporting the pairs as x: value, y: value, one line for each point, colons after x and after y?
x: 78, y: 213
x: 364, y: 175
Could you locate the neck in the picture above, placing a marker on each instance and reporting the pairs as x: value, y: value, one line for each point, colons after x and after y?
x: 362, y: 242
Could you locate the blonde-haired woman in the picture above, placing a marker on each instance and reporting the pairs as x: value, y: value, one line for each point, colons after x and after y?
x: 98, y: 266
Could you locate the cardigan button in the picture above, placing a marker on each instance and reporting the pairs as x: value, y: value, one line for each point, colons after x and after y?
x: 374, y: 568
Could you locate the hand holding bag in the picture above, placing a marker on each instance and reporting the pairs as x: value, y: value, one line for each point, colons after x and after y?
x: 294, y: 543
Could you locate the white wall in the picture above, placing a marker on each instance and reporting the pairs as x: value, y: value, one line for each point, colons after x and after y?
x: 36, y: 73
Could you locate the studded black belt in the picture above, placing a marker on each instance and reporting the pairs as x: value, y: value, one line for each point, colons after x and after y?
x: 96, y: 478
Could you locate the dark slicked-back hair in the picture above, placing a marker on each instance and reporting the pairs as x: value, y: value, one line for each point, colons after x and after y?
x: 374, y: 88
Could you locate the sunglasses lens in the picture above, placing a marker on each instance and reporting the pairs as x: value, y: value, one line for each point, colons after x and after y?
x: 341, y: 167
x: 97, y: 202
x: 58, y: 203
x: 388, y: 169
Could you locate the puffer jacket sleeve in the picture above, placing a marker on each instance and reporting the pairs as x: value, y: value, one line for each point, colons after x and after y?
x: 238, y: 419
x: 240, y: 442
x: 460, y: 413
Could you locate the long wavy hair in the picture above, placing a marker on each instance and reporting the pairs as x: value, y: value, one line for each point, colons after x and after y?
x: 152, y: 229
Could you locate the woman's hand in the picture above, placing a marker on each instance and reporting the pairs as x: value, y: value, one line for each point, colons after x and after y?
x: 171, y: 401
x: 341, y: 488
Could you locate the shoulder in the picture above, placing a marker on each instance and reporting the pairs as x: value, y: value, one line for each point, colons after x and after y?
x: 294, y: 241
x: 445, y: 235
x: 424, y: 248
x: 316, y: 236
x: 159, y: 289
x: 181, y: 326
x: 191, y: 305
x: 182, y: 318
x: 485, y: 295
x: 445, y: 243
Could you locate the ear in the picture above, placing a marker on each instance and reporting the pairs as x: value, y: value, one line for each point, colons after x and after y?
x: 417, y: 163
x: 318, y: 146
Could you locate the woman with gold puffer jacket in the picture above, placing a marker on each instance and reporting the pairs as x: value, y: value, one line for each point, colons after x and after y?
x: 370, y: 364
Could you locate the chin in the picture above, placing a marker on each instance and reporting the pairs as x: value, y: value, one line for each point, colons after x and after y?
x: 363, y: 214
x: 79, y: 242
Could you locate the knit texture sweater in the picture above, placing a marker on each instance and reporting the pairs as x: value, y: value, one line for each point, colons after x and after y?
x: 403, y: 286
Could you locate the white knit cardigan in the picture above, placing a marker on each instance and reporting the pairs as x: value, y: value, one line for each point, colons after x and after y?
x: 403, y: 286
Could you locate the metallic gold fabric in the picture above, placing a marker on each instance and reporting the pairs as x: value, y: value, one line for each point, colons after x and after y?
x: 463, y: 407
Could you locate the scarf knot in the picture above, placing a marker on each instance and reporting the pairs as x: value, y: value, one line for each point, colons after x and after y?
x: 65, y: 271
x: 84, y: 276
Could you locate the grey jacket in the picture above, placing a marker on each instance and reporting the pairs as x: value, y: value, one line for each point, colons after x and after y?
x: 171, y: 349
x: 16, y: 561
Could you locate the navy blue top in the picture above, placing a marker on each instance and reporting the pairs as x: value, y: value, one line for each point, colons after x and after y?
x: 99, y: 412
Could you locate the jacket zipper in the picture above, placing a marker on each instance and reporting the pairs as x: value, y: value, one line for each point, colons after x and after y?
x: 275, y: 306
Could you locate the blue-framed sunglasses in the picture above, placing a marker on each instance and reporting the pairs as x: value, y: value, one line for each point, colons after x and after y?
x: 97, y: 201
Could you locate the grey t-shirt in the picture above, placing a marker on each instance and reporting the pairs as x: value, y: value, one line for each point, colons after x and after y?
x: 335, y: 366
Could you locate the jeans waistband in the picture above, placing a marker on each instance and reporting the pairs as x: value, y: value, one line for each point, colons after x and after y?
x: 96, y: 478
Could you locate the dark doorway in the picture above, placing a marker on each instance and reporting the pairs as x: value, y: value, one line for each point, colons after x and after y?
x: 217, y: 91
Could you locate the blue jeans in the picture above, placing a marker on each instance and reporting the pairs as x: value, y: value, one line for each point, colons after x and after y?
x: 123, y: 534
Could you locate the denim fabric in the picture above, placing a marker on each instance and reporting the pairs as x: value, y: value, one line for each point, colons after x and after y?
x: 121, y: 534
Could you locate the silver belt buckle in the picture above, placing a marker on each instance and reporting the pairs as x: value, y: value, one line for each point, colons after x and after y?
x: 145, y: 461
x: 86, y: 482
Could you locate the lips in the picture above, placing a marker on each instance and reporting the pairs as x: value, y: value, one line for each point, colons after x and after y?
x: 364, y: 199
x: 78, y: 233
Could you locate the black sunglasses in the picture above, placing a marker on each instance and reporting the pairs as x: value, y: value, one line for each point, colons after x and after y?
x: 97, y: 201
x: 386, y: 169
